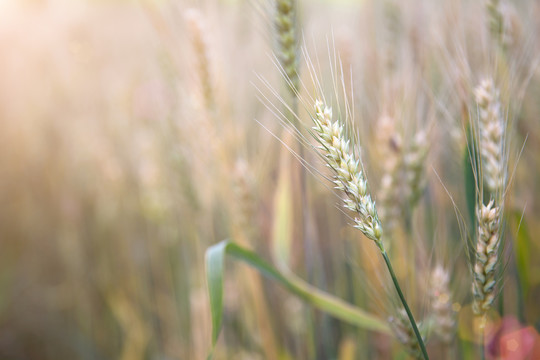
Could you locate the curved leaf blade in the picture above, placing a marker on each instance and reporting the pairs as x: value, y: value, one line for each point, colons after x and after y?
x: 215, y: 261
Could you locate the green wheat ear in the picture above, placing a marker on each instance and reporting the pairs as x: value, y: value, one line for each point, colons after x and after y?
x: 286, y: 36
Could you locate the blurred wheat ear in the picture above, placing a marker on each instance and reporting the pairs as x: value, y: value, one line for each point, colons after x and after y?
x: 493, y: 169
x: 285, y: 22
x: 441, y: 305
x: 403, y: 331
x: 196, y: 29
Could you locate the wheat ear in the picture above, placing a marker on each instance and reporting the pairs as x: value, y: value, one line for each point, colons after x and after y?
x: 404, y: 333
x: 504, y: 23
x: 195, y: 26
x: 496, y: 27
x: 491, y: 145
x: 414, y: 163
x: 243, y: 188
x: 441, y: 304
x: 404, y: 176
x: 390, y: 191
x: 286, y: 35
x: 349, y: 178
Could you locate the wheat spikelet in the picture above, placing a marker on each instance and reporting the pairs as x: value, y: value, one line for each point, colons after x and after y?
x: 348, y: 177
x: 441, y: 304
x: 403, y: 332
x: 285, y: 26
x: 487, y: 248
x: 491, y: 128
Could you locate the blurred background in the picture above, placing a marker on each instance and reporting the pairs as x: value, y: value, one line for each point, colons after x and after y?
x: 132, y: 138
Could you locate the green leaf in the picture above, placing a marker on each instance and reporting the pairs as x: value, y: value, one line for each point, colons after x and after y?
x: 523, y: 249
x: 215, y: 261
x: 470, y: 181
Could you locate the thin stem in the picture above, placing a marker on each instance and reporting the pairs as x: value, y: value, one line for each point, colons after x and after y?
x: 482, y: 351
x: 482, y: 338
x: 403, y: 301
x: 412, y: 254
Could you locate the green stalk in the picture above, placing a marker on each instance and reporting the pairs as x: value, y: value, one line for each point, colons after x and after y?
x: 482, y: 347
x: 403, y: 301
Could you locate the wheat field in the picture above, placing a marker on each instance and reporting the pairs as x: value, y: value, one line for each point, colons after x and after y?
x: 269, y: 179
